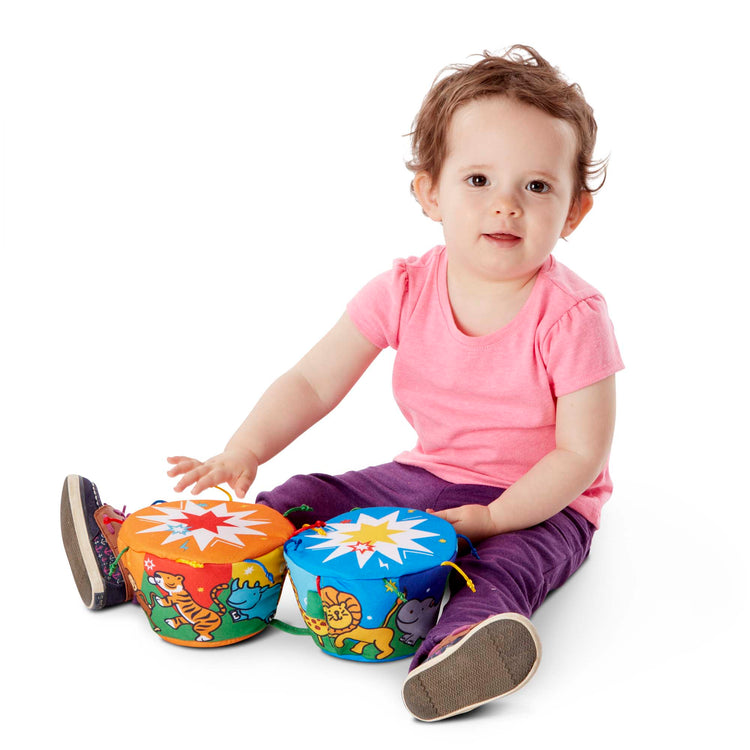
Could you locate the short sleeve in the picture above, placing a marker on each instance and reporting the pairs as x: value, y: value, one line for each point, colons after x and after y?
x: 580, y: 349
x: 376, y: 310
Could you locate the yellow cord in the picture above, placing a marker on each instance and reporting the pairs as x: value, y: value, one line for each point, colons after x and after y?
x: 221, y: 489
x: 468, y: 580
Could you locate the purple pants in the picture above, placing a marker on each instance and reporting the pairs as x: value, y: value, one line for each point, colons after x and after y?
x: 514, y: 572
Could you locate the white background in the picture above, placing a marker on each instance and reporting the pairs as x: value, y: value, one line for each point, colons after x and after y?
x: 191, y: 192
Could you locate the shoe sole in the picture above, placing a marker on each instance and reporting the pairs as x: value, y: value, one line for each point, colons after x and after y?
x: 495, y: 659
x: 77, y: 542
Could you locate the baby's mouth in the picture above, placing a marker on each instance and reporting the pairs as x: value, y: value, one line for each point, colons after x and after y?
x: 503, y: 238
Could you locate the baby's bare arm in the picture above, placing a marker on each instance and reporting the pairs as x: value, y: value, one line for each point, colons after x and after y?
x: 583, y: 433
x: 293, y: 403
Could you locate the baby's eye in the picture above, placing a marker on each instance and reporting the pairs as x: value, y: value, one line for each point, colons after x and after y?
x: 537, y: 186
x: 477, y: 180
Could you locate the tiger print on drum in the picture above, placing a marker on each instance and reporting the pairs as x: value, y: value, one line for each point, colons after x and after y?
x: 207, y: 573
x: 203, y: 620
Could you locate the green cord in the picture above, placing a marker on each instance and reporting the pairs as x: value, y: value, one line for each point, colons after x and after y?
x: 299, y: 507
x: 286, y: 628
x: 117, y: 560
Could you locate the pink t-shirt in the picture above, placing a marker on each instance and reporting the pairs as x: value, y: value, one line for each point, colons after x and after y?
x: 483, y: 407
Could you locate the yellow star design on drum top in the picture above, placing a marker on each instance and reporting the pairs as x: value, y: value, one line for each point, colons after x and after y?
x: 367, y: 536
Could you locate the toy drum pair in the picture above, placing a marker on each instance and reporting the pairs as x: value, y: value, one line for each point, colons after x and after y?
x: 206, y: 572
x: 369, y: 583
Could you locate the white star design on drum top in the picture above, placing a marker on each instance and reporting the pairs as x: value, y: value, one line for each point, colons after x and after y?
x: 366, y: 536
x: 204, y: 524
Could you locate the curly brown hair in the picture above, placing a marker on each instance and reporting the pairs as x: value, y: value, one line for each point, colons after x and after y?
x: 523, y: 74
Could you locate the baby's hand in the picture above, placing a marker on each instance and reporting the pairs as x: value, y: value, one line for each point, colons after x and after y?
x: 473, y: 521
x: 237, y: 469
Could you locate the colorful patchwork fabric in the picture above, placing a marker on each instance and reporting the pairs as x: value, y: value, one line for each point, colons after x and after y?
x: 207, y: 573
x: 369, y: 583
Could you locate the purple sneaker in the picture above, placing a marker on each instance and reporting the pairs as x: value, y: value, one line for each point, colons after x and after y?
x: 494, y: 658
x: 89, y: 532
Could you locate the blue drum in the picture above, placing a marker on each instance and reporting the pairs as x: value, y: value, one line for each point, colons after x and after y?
x: 369, y: 583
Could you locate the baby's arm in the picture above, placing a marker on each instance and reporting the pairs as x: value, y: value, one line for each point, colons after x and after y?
x: 293, y: 403
x: 583, y: 434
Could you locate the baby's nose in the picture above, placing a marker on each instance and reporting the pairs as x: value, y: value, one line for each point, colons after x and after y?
x: 506, y: 205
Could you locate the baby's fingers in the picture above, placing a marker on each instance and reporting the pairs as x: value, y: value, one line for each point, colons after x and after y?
x: 192, y: 476
x: 210, y: 477
x: 242, y: 484
x: 182, y: 464
x: 450, y: 515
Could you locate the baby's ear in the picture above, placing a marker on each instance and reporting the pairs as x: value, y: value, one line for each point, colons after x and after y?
x: 578, y: 209
x: 425, y: 191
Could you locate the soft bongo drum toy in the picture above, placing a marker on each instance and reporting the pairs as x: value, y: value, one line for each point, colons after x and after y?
x: 369, y: 582
x: 206, y: 572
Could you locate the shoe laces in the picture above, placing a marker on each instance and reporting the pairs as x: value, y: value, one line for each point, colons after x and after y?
x: 109, y: 520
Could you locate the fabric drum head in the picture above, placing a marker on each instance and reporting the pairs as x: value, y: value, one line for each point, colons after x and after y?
x: 206, y: 572
x: 369, y: 583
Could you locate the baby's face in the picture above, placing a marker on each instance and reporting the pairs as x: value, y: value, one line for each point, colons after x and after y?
x: 505, y: 191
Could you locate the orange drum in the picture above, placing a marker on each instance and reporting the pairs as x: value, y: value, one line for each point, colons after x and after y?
x: 206, y: 572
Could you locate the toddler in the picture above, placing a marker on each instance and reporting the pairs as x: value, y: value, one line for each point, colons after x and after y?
x: 504, y: 367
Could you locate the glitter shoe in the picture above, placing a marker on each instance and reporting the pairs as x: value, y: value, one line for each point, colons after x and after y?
x: 89, y: 532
